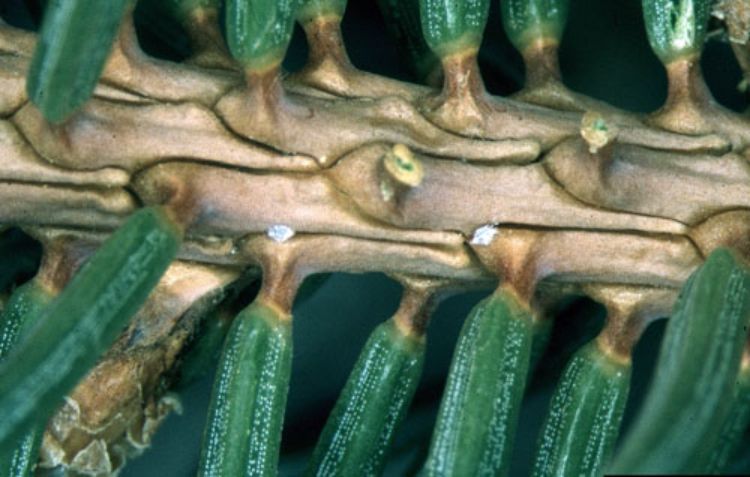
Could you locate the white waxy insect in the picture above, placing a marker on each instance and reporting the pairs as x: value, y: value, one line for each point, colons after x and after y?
x: 484, y: 235
x: 280, y: 233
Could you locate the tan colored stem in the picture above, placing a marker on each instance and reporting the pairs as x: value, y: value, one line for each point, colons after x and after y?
x: 281, y: 278
x: 462, y: 104
x: 325, y: 44
x: 414, y: 312
x: 264, y: 95
x: 690, y: 108
x: 687, y: 99
x: 420, y: 298
x: 243, y: 158
x: 541, y: 61
x: 629, y: 311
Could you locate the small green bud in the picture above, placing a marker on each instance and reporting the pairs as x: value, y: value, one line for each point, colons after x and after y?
x: 676, y: 28
x: 528, y: 20
x: 259, y: 31
x: 451, y: 26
